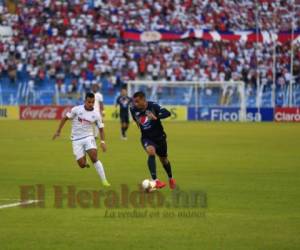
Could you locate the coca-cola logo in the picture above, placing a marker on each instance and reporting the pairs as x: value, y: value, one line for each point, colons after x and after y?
x: 43, y: 112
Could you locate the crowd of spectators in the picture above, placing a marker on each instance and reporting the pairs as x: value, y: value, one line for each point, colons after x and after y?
x: 80, y: 40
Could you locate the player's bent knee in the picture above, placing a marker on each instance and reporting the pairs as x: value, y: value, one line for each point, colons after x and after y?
x: 82, y: 164
x: 150, y: 151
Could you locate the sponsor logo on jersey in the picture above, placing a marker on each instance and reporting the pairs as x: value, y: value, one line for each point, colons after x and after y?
x: 84, y: 121
x: 144, y: 120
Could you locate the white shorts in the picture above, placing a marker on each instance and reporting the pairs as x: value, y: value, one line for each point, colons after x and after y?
x: 82, y: 145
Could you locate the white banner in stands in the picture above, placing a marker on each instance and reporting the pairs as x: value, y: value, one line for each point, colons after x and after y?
x: 5, y: 31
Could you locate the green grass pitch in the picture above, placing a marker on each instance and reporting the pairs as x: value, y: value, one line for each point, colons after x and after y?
x: 249, y: 172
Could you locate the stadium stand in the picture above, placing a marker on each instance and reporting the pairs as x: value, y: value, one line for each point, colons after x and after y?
x: 65, y: 46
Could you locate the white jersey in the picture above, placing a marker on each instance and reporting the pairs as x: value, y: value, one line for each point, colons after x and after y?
x: 98, y: 98
x: 83, y: 121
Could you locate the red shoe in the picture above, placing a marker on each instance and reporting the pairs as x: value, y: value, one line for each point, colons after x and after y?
x: 159, y: 184
x: 172, y: 183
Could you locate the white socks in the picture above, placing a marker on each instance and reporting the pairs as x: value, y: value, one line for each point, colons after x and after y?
x: 99, y: 167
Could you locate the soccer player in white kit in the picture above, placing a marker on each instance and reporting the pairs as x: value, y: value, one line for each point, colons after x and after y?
x: 98, y: 106
x: 83, y: 118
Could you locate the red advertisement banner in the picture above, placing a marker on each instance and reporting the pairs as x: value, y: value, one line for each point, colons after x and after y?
x: 209, y: 35
x: 287, y: 115
x: 43, y: 112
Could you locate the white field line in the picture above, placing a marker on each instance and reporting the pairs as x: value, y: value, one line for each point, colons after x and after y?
x: 9, y: 199
x: 16, y: 204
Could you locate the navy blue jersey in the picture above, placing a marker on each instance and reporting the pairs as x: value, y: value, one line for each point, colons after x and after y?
x: 151, y: 129
x: 123, y: 102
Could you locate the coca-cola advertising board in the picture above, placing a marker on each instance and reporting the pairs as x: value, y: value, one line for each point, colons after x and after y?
x: 43, y: 112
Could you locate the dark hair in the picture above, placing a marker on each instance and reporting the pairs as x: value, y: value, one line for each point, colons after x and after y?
x: 89, y: 95
x: 140, y: 94
x: 124, y: 86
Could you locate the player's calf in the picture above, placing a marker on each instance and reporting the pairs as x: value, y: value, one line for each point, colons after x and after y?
x: 167, y: 166
x: 151, y: 161
x: 98, y: 166
x: 164, y: 160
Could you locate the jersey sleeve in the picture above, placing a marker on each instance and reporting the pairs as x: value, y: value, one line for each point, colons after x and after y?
x: 132, y: 113
x: 100, y: 97
x: 99, y: 122
x: 161, y: 112
x: 71, y: 114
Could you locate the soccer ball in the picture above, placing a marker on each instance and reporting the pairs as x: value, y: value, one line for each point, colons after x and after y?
x: 148, y: 185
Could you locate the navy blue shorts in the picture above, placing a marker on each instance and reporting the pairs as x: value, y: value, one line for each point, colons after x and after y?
x: 160, y: 145
x: 124, y: 117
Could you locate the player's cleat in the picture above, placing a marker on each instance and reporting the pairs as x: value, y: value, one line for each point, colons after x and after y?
x: 159, y: 184
x: 105, y: 183
x: 172, y: 183
x: 124, y: 138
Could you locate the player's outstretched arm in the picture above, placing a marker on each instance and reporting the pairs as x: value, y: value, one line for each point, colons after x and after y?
x: 163, y: 113
x: 61, y: 125
x: 116, y: 105
x: 102, y: 112
x: 102, y: 139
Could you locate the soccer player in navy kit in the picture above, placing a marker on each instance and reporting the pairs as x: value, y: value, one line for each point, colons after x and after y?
x: 148, y: 117
x: 124, y: 101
